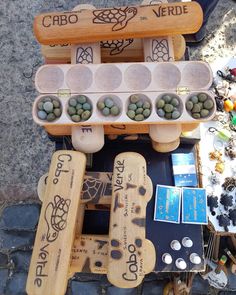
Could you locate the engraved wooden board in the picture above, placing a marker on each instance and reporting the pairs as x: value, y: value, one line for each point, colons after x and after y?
x: 121, y: 22
x: 50, y: 261
x: 126, y: 261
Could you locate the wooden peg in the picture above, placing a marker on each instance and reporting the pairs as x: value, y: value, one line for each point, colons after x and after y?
x: 165, y: 133
x: 166, y: 147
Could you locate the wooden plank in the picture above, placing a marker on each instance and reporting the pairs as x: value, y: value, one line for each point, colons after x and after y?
x: 114, y: 23
x: 50, y: 261
x: 126, y: 261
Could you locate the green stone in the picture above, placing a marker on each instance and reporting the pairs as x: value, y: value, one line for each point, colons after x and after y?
x: 132, y: 107
x: 196, y: 115
x: 174, y: 102
x: 47, y: 98
x: 139, y: 111
x: 202, y: 97
x: 139, y: 104
x: 57, y: 112
x: 42, y: 115
x: 56, y: 103
x: 168, y: 108
x: 200, y: 105
x: 79, y: 106
x: 194, y: 99
x: 101, y: 105
x: 40, y: 105
x: 109, y: 103
x: 51, y: 117
x: 146, y: 105
x: 75, y: 118
x: 160, y: 103
x: 81, y: 99
x: 168, y: 116
x: 189, y: 105
x: 106, y: 111
x: 131, y: 114
x: 87, y: 106
x: 146, y: 113
x: 86, y: 115
x: 80, y: 112
x: 71, y: 111
x: 166, y: 98
x: 134, y: 98
x: 208, y: 104
x: 175, y: 115
x: 115, y: 110
x: 139, y: 117
x: 204, y: 113
x: 161, y: 113
x: 48, y: 107
x: 196, y: 108
x: 72, y: 102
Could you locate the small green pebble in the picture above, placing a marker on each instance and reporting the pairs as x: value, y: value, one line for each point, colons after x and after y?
x: 79, y: 106
x: 208, y: 104
x: 134, y: 98
x: 168, y: 108
x: 202, y: 97
x: 80, y: 111
x: 86, y: 115
x: 87, y: 106
x: 57, y: 112
x: 194, y: 99
x: 204, y: 113
x: 51, y: 117
x: 160, y: 103
x: 106, y: 111
x: 48, y: 106
x: 196, y: 108
x: 146, y: 105
x: 72, y: 102
x: 189, y: 105
x: 81, y: 99
x: 71, y: 111
x: 166, y: 98
x: 40, y: 106
x: 75, y: 118
x: 139, y: 111
x: 101, y: 105
x: 175, y: 115
x: 139, y: 104
x: 47, y: 98
x: 109, y: 102
x: 168, y: 116
x: 146, y: 113
x: 115, y: 110
x: 56, y: 103
x: 42, y: 115
x: 132, y: 106
x: 139, y: 117
x: 131, y: 114
x: 196, y: 115
x: 161, y: 113
x: 174, y: 102
x: 200, y: 105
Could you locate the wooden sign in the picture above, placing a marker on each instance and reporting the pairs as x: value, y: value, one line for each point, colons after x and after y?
x: 50, y: 261
x: 118, y: 22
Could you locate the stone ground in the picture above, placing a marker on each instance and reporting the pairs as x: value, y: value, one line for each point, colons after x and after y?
x: 26, y: 150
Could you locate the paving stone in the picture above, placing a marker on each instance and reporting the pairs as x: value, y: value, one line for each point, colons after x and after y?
x: 10, y: 240
x: 85, y: 288
x: 3, y: 280
x: 20, y: 217
x: 21, y: 260
x: 120, y: 291
x: 16, y: 284
x: 3, y: 260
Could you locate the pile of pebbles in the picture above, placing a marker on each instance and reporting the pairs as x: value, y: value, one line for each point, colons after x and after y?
x: 108, y: 107
x: 79, y: 108
x: 49, y: 109
x: 168, y: 107
x: 199, y: 106
x: 138, y: 108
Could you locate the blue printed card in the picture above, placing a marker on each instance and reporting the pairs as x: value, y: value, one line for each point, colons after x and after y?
x: 167, y: 204
x: 194, y: 206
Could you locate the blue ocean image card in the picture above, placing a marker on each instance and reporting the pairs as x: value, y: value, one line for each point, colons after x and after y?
x: 167, y: 204
x: 194, y: 205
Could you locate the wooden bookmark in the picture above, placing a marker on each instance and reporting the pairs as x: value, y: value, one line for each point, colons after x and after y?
x: 50, y: 261
x: 118, y: 22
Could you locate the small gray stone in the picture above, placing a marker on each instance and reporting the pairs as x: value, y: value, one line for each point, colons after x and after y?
x: 86, y: 115
x: 56, y: 103
x: 194, y: 99
x: 139, y: 104
x: 146, y: 113
x: 204, y: 113
x: 134, y: 98
x: 196, y: 108
x: 40, y: 105
x: 132, y: 107
x: 16, y: 284
x: 109, y: 102
x: 131, y: 114
x: 161, y: 113
x: 85, y: 288
x: 139, y: 111
x: 47, y: 98
x: 139, y: 117
x: 21, y: 260
x: 3, y: 280
x: 81, y: 99
x: 160, y: 103
x: 196, y: 115
x: 10, y: 240
x: 115, y: 110
x: 71, y: 111
x: 75, y: 118
x: 168, y: 108
x: 189, y: 105
x: 51, y: 117
x: 79, y: 106
x: 100, y: 105
x: 48, y: 107
x: 202, y: 97
x: 42, y: 115
x: 208, y: 104
x: 72, y: 102
x: 175, y: 115
x: 87, y: 106
x: 57, y: 112
x: 106, y: 111
x: 146, y: 105
x: 167, y: 98
x: 174, y: 102
x: 80, y: 112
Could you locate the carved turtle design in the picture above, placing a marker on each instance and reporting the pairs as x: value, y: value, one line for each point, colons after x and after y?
x: 84, y: 55
x: 160, y: 51
x: 116, y: 46
x: 117, y: 16
x: 56, y: 217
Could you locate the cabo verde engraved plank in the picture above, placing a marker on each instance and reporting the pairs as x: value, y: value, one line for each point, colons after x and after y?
x: 118, y: 23
x: 50, y: 261
x: 130, y: 194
